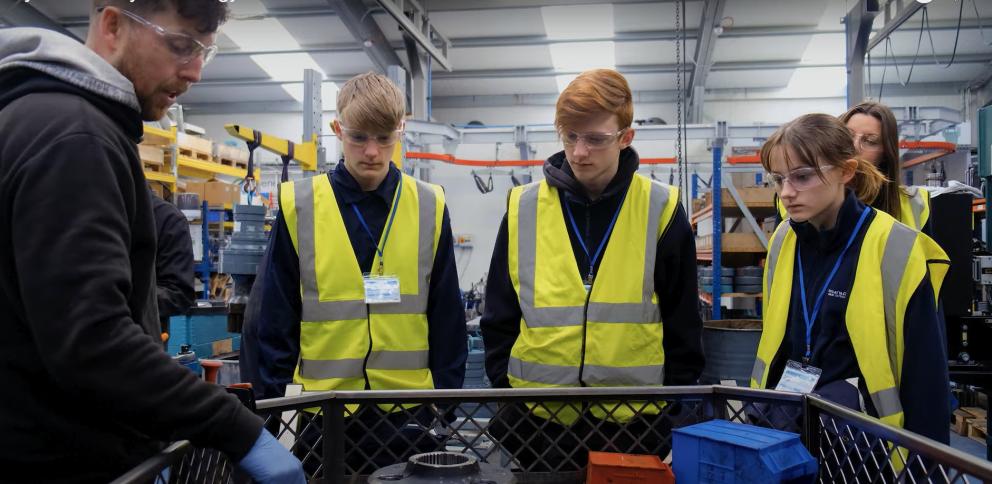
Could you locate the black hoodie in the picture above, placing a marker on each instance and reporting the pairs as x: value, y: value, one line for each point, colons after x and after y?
x: 87, y: 390
x: 674, y: 275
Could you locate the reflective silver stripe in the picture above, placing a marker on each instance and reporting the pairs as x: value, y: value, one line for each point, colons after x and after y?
x: 623, y: 312
x: 897, y: 250
x: 624, y: 375
x: 552, y: 317
x: 773, y: 252
x: 425, y: 251
x: 398, y: 360
x: 305, y: 245
x: 526, y: 262
x: 758, y: 372
x: 314, y: 310
x: 541, y: 373
x: 887, y: 402
x: 659, y: 198
x: 323, y: 369
x: 916, y: 204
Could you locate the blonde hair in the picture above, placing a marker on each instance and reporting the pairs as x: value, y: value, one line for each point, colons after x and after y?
x: 599, y: 91
x: 817, y: 139
x: 371, y: 102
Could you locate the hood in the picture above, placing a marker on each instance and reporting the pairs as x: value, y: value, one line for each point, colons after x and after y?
x: 559, y: 174
x: 66, y: 60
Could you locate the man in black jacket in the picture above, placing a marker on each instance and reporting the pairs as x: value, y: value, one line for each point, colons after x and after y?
x: 542, y: 328
x: 88, y: 391
x: 173, y: 261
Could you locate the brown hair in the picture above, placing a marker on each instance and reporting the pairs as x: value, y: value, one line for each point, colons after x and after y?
x: 817, y: 139
x: 888, y: 198
x: 595, y: 92
x: 208, y: 14
x: 371, y: 102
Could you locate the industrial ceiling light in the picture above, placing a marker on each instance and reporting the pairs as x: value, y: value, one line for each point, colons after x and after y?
x: 924, y: 1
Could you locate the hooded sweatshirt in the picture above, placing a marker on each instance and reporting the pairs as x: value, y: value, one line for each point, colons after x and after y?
x: 674, y: 274
x: 87, y: 390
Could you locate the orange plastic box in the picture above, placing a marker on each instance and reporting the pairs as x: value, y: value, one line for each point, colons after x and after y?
x: 611, y: 468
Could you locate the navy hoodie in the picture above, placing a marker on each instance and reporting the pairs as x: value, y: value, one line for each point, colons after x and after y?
x: 924, y: 386
x: 674, y: 275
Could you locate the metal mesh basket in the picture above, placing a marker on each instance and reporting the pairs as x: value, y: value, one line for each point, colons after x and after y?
x: 545, y: 435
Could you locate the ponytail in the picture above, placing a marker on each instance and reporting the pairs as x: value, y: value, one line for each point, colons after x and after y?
x: 868, y: 181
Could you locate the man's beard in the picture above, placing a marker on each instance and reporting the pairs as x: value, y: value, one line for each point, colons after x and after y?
x: 130, y: 67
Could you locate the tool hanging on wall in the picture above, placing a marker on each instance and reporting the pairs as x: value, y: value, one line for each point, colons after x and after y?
x: 513, y: 179
x: 484, y: 187
x: 250, y: 184
x: 285, y: 163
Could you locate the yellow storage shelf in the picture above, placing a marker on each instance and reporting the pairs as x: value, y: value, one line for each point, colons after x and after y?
x: 158, y: 136
x: 207, y: 169
x: 161, y: 177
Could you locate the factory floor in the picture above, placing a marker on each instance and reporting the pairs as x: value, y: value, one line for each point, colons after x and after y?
x: 968, y: 445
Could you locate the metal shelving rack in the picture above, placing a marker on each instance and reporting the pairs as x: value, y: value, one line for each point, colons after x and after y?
x: 715, y: 211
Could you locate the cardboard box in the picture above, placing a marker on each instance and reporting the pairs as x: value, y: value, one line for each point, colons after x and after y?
x: 196, y: 187
x: 219, y: 193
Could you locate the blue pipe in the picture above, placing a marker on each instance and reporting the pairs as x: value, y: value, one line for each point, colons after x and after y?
x: 717, y: 191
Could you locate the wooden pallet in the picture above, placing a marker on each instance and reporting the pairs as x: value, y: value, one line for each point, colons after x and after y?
x: 963, y: 418
x: 194, y: 154
x: 978, y: 429
x: 231, y: 162
x: 156, y: 167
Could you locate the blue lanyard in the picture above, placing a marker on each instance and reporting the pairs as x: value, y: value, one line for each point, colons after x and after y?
x: 810, y: 318
x: 602, y: 243
x: 389, y: 224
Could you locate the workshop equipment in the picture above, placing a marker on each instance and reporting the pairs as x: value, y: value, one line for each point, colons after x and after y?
x: 446, y: 467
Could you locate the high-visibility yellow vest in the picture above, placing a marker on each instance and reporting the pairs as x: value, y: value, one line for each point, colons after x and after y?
x: 343, y: 340
x: 611, y: 336
x: 914, y: 209
x: 893, y: 260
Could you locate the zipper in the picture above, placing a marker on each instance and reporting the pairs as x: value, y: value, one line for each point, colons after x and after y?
x: 365, y: 364
x: 582, y: 353
x: 585, y: 308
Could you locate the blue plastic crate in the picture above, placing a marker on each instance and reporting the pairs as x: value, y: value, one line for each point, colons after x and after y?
x: 722, y: 452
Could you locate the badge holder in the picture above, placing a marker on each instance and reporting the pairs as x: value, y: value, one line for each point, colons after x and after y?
x: 798, y: 378
x: 381, y: 289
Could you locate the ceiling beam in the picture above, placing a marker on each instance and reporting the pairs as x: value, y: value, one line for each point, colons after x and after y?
x: 549, y: 99
x: 367, y: 32
x: 904, y: 9
x: 982, y: 79
x: 17, y: 13
x: 858, y: 22
x: 417, y: 26
x: 705, y: 44
x: 626, y: 70
x: 619, y: 37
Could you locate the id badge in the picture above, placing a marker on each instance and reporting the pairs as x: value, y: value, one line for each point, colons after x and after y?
x: 381, y: 289
x: 798, y: 378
